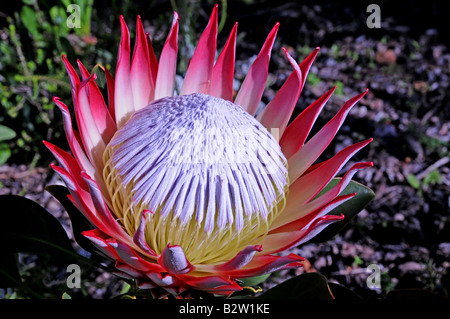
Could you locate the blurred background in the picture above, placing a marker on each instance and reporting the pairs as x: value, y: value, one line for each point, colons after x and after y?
x: 405, y: 63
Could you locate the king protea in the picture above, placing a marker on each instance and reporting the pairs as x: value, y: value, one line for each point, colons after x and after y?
x: 189, y: 191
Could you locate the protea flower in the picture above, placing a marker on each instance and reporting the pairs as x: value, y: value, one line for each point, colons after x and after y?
x: 190, y: 191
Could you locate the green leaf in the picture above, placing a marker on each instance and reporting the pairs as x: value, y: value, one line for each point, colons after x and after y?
x: 58, y: 15
x: 432, y: 178
x: 77, y: 219
x: 27, y: 227
x: 29, y: 19
x: 413, y: 181
x: 65, y: 295
x: 125, y: 288
x: 306, y: 286
x: 5, y: 153
x: 6, y: 133
x: 349, y: 209
x: 254, y: 281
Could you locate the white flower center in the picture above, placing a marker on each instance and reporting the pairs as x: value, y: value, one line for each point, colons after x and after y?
x: 212, y: 175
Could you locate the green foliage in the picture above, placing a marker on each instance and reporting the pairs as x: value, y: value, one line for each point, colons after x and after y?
x: 36, y: 36
x: 30, y: 78
x: 33, y: 40
x: 434, y: 145
x: 357, y: 261
x: 313, y: 79
x: 421, y: 184
x: 432, y: 178
x: 254, y: 281
x: 65, y: 295
x: 5, y: 134
x: 339, y: 88
x: 413, y: 181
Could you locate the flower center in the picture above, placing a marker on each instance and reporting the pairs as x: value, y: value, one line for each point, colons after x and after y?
x: 213, y: 177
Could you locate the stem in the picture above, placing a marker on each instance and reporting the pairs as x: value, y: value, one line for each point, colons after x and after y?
x: 174, y: 5
x: 18, y: 47
x: 223, y: 17
x: 47, y: 78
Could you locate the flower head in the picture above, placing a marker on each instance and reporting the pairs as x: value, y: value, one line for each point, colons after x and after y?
x: 191, y: 191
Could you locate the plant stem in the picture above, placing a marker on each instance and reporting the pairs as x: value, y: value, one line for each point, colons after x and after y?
x: 223, y: 17
x: 48, y: 79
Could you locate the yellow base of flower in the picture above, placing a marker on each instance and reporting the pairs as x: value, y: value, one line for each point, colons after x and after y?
x: 200, y: 247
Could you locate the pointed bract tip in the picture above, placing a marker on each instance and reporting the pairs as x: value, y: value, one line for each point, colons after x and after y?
x: 84, y: 175
x: 139, y: 23
x: 147, y: 211
x: 65, y: 60
x: 274, y: 30
x: 85, y: 82
x: 275, y: 27
x: 214, y: 13
x: 295, y: 257
x: 101, y: 67
x: 336, y: 217
x: 123, y: 24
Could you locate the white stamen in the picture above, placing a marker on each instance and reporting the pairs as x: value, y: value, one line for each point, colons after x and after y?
x: 203, y: 158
